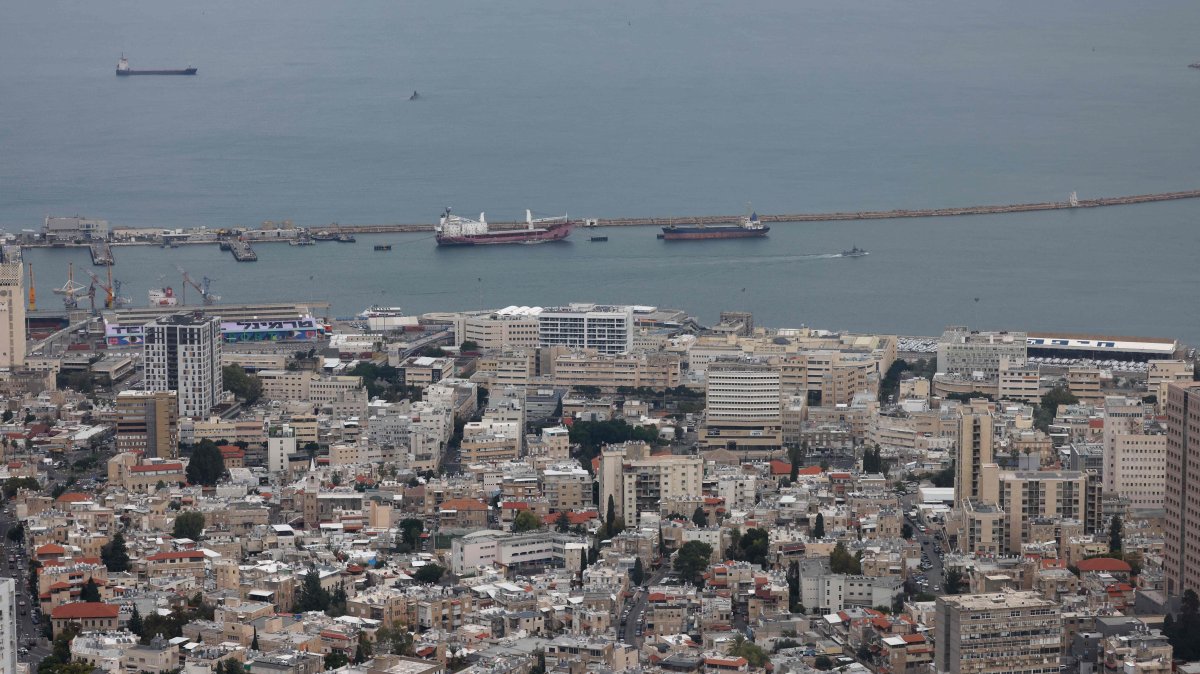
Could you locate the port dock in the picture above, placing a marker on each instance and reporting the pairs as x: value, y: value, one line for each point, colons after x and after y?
x: 242, y: 252
x: 101, y: 253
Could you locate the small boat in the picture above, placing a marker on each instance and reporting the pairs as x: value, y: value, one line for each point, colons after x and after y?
x: 415, y: 96
x: 346, y: 238
x: 1194, y: 65
x: 599, y: 238
x: 383, y: 246
x: 855, y: 252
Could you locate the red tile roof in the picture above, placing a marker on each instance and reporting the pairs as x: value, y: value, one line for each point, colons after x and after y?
x: 513, y: 505
x: 1103, y: 564
x: 73, y: 497
x: 50, y: 549
x: 463, y: 504
x: 156, y: 467
x: 780, y: 467
x: 811, y: 470
x: 83, y: 610
x: 188, y: 554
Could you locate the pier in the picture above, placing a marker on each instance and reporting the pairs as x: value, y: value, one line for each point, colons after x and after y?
x: 242, y: 252
x: 101, y: 253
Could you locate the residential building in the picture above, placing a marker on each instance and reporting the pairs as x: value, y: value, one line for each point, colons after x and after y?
x: 148, y: 423
x: 639, y: 482
x: 511, y: 327
x: 612, y: 371
x: 1181, y: 562
x: 87, y: 616
x: 425, y: 370
x: 182, y: 353
x: 1030, y: 497
x: 1006, y: 632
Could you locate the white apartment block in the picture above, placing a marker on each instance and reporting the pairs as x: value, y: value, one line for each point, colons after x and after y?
x: 607, y: 329
x: 182, y: 353
x: 510, y: 327
x: 743, y: 408
x: 639, y: 482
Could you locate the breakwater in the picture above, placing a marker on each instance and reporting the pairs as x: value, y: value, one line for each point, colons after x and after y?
x: 826, y: 217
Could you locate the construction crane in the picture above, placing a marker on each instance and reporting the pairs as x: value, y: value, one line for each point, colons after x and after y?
x: 203, y: 287
x: 70, y: 289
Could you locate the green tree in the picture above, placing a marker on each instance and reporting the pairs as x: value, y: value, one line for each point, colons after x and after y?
x: 639, y: 572
x: 90, y: 592
x: 206, y: 466
x: 819, y: 527
x: 16, y: 533
x: 823, y: 663
x: 562, y: 523
x: 906, y: 530
x: 1115, y: 535
x: 14, y: 484
x: 410, y: 531
x: 610, y: 515
x: 691, y: 560
x: 468, y: 346
x: 430, y: 573
x: 526, y: 521
x: 312, y: 596
x: 793, y: 581
x: 753, y: 546
x: 189, y: 524
x: 1184, y: 631
x: 700, y: 518
x: 753, y: 654
x: 841, y: 561
x: 61, y: 646
x: 114, y: 555
x: 336, y: 660
x: 254, y: 642
x: 245, y: 386
x: 362, y: 652
x: 135, y: 622
x: 1045, y: 412
x: 953, y: 581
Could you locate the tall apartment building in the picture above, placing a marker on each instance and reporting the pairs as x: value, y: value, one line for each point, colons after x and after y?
x: 281, y: 443
x: 639, y: 482
x: 148, y: 423
x: 12, y: 309
x: 8, y: 625
x: 607, y: 329
x: 827, y: 377
x: 743, y: 408
x: 961, y: 351
x: 1181, y: 561
x: 976, y: 452
x: 1030, y: 497
x: 1008, y: 632
x: 1135, y: 463
x: 182, y: 353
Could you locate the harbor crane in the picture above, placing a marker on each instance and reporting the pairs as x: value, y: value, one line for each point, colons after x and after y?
x: 70, y: 289
x: 111, y: 288
x: 203, y: 287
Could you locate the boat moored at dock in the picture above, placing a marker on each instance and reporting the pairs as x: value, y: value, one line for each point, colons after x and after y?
x: 455, y: 230
x: 749, y: 226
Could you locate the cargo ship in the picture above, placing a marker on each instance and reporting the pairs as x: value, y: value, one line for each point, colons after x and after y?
x: 455, y: 230
x: 123, y: 70
x: 749, y: 226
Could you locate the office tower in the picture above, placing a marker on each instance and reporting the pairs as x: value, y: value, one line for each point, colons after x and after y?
x: 12, y: 309
x: 743, y: 411
x: 1009, y: 632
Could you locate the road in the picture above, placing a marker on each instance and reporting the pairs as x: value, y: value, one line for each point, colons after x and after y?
x: 929, y: 550
x: 633, y: 619
x: 27, y: 630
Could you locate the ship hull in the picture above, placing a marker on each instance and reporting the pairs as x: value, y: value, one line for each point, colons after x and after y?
x: 702, y: 233
x: 127, y: 73
x: 557, y: 232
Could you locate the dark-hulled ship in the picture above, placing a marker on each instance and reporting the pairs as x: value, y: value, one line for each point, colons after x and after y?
x: 123, y: 70
x: 748, y: 227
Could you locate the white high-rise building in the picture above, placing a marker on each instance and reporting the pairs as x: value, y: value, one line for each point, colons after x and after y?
x: 743, y: 409
x: 8, y: 626
x: 12, y: 309
x: 607, y: 329
x: 281, y: 443
x: 182, y: 353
